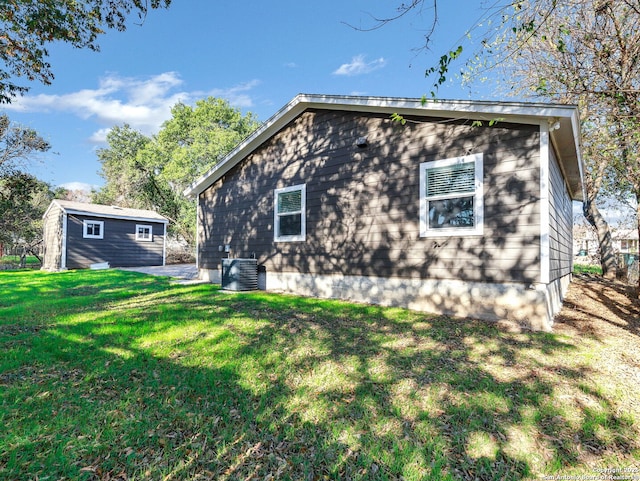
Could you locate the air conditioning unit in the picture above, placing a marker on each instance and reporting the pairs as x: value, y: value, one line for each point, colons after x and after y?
x: 239, y: 274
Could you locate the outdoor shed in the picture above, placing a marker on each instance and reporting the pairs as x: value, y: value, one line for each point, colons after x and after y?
x: 457, y: 207
x: 77, y: 235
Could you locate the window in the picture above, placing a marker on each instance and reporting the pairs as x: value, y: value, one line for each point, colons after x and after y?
x: 93, y: 229
x: 289, y: 213
x: 451, y: 200
x: 144, y: 232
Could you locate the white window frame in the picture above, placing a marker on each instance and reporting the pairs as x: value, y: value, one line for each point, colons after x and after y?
x: 276, y: 215
x: 478, y: 204
x: 144, y: 239
x: 85, y: 229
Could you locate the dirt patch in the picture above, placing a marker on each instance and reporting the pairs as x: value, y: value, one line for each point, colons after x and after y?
x: 604, y: 316
x: 600, y: 308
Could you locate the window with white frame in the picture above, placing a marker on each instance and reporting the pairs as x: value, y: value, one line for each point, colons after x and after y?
x: 289, y: 213
x: 451, y: 197
x: 93, y: 229
x: 144, y: 232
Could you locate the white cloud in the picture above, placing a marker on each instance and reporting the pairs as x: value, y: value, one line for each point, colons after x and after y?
x: 359, y: 66
x: 81, y: 186
x: 143, y: 103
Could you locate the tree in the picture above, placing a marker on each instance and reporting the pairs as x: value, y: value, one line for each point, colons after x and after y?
x: 587, y: 52
x: 18, y: 145
x: 23, y: 201
x: 152, y: 173
x: 121, y: 169
x: 22, y: 196
x: 27, y: 27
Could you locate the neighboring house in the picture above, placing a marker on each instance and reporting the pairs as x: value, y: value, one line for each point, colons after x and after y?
x: 77, y: 235
x: 585, y: 241
x: 625, y: 241
x: 464, y: 208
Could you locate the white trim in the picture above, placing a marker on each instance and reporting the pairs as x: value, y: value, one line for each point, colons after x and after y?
x: 478, y: 194
x: 198, y: 232
x: 545, y: 208
x: 164, y: 246
x: 122, y: 217
x: 276, y: 224
x: 144, y: 239
x: 85, y: 224
x: 63, y: 254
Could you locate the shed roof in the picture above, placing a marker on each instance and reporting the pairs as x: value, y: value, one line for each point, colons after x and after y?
x: 562, y: 120
x: 109, y: 211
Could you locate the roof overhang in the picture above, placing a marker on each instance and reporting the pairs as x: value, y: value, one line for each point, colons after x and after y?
x: 566, y: 137
x: 106, y: 215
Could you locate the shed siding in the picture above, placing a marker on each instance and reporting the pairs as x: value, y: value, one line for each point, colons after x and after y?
x: 52, y: 239
x: 560, y: 223
x: 119, y: 246
x: 362, y: 205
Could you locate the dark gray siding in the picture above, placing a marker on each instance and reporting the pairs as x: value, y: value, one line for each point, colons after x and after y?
x: 560, y: 223
x: 52, y: 239
x: 363, y: 204
x: 119, y: 246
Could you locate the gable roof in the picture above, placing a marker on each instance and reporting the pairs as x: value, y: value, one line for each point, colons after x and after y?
x: 108, y: 211
x: 562, y: 119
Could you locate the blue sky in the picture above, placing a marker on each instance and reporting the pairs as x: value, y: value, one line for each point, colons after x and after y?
x: 258, y: 55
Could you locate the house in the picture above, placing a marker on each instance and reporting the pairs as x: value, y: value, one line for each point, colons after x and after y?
x: 625, y: 241
x: 460, y: 207
x: 77, y: 235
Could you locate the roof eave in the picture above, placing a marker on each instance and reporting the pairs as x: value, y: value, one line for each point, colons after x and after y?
x: 481, y: 110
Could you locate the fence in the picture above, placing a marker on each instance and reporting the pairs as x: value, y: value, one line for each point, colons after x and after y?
x: 628, y: 268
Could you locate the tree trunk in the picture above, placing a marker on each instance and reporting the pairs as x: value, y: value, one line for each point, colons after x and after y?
x: 638, y: 228
x: 605, y: 246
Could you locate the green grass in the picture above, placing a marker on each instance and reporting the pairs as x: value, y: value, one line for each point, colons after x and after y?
x: 31, y: 261
x: 118, y: 375
x: 587, y: 269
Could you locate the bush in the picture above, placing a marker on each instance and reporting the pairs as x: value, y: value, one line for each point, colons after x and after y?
x: 587, y: 269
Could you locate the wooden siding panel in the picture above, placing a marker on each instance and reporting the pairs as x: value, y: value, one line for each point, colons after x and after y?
x: 362, y: 214
x: 561, y: 222
x: 118, y: 247
x: 52, y: 239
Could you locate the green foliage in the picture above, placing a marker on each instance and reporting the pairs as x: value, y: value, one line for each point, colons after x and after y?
x: 587, y: 269
x: 27, y: 27
x: 152, y: 172
x: 442, y: 69
x: 23, y: 198
x: 23, y: 201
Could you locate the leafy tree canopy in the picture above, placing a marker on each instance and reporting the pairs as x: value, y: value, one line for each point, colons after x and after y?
x: 28, y: 27
x: 23, y: 198
x: 152, y: 172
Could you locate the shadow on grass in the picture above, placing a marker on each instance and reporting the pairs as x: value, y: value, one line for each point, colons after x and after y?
x: 187, y: 382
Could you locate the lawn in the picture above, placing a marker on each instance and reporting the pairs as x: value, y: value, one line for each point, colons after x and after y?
x: 117, y: 375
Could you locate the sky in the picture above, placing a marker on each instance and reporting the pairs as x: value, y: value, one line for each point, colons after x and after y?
x: 258, y: 55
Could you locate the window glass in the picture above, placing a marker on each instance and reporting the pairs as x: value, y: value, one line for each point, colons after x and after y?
x: 93, y: 229
x: 451, y: 201
x: 144, y: 233
x: 289, y: 215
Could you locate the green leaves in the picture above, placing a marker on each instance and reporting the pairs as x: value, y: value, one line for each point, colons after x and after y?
x: 28, y: 26
x: 442, y: 69
x: 152, y: 173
